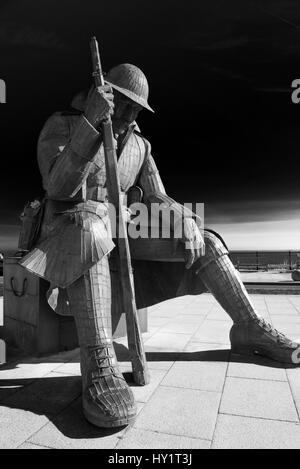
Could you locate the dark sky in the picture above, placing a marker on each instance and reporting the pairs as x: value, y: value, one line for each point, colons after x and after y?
x: 220, y: 76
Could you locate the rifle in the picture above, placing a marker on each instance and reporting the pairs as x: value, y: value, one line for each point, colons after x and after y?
x: 135, y: 343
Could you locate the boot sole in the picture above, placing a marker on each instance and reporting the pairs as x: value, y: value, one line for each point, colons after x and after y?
x: 244, y: 350
x: 248, y: 350
x: 105, y: 423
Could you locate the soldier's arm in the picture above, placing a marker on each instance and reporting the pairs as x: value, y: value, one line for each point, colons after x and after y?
x: 184, y: 223
x: 154, y: 190
x: 65, y: 158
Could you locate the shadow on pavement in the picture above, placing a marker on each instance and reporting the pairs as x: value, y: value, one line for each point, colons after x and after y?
x: 219, y: 355
x: 58, y: 398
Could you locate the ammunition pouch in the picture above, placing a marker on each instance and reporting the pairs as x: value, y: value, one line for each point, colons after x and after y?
x: 31, y: 219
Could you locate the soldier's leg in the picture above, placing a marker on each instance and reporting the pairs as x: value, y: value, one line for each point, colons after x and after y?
x: 107, y: 399
x: 220, y: 277
x: 249, y: 333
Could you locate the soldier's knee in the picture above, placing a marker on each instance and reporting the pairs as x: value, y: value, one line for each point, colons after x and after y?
x: 214, y: 247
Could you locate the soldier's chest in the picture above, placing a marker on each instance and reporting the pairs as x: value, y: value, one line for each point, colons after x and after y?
x: 129, y: 164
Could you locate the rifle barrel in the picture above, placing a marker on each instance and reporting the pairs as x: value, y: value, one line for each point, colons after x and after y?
x: 135, y: 343
x: 97, y: 69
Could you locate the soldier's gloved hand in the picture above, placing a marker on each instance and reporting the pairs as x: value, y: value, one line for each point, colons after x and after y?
x: 127, y: 214
x: 99, y: 105
x: 193, y: 241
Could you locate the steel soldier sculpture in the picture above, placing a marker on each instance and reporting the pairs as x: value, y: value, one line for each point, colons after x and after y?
x: 74, y: 251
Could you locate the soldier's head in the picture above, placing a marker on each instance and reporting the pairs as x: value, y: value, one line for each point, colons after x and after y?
x: 131, y: 92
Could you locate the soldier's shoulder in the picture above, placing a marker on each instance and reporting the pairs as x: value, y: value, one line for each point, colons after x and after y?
x: 139, y: 134
x: 70, y: 112
x: 61, y: 119
x: 65, y: 115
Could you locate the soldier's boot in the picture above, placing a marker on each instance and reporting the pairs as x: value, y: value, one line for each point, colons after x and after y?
x: 106, y: 398
x: 250, y: 334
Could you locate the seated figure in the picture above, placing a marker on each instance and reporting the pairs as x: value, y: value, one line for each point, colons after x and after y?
x: 74, y: 250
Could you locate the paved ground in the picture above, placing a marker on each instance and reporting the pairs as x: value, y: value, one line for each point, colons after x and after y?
x: 274, y: 276
x: 200, y: 395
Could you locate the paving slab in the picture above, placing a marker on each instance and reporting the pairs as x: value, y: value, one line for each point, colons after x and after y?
x: 29, y: 371
x: 47, y: 395
x: 15, y: 377
x: 234, y: 432
x: 277, y: 298
x: 151, y: 331
x: 198, y: 308
x: 157, y: 321
x: 167, y: 342
x: 258, y: 398
x: 283, y: 309
x: 205, y: 376
x: 191, y: 318
x: 280, y: 305
x: 181, y: 412
x: 291, y: 331
x: 70, y: 430
x: 295, y: 302
x: 166, y: 313
x: 213, y: 331
x: 31, y: 446
x: 283, y: 314
x: 159, y: 365
x: 69, y: 368
x: 18, y: 425
x: 293, y: 375
x: 181, y: 327
x: 263, y: 313
x: 143, y: 393
x: 145, y: 439
x: 157, y: 371
x: 261, y: 309
x: 152, y: 308
x: 195, y: 345
x: 239, y: 368
x: 288, y: 320
x: 217, y: 315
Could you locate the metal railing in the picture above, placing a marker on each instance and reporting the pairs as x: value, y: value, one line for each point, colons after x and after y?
x: 265, y: 260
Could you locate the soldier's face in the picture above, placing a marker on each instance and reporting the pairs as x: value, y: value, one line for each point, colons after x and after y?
x: 126, y: 111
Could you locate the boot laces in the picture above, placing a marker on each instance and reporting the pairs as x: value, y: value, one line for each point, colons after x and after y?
x: 274, y: 332
x: 102, y: 355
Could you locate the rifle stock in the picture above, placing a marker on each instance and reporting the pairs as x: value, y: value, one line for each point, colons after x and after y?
x: 135, y: 343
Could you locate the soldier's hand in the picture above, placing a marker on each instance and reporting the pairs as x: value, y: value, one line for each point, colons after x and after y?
x: 100, y: 105
x: 127, y: 214
x: 193, y: 242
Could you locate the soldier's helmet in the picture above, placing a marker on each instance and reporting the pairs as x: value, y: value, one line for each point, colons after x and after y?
x: 130, y: 81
